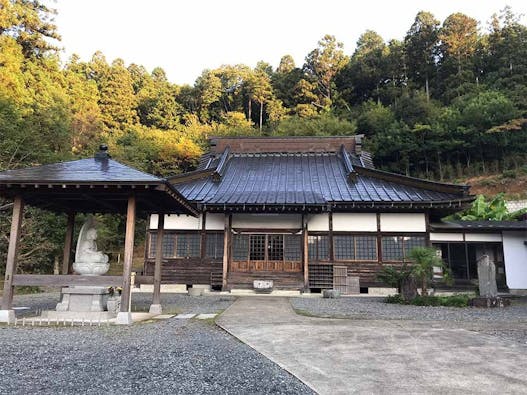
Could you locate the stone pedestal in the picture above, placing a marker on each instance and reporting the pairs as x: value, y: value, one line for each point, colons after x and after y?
x: 489, y: 302
x: 83, y: 298
x: 263, y: 286
x: 82, y: 303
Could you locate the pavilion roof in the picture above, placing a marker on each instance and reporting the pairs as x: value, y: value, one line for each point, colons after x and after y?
x: 98, y: 184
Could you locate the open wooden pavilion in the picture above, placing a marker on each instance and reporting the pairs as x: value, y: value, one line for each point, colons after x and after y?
x: 93, y: 185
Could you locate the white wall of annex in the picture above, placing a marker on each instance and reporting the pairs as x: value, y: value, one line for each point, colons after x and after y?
x: 446, y: 237
x: 214, y: 221
x: 403, y: 222
x: 515, y: 257
x: 492, y: 237
x: 178, y: 222
x: 267, y: 221
x: 355, y: 222
x: 318, y: 223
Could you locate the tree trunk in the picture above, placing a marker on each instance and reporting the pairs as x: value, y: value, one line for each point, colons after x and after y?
x: 261, y: 115
x: 424, y: 288
x: 427, y: 90
x: 249, y: 110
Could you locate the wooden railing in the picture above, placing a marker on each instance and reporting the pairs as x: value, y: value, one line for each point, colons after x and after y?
x: 268, y: 266
x: 51, y: 280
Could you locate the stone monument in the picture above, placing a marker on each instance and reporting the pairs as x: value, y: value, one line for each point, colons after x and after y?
x: 86, y: 302
x: 488, y: 289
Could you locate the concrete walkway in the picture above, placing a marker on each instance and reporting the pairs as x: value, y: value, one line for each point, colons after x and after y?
x: 337, y: 356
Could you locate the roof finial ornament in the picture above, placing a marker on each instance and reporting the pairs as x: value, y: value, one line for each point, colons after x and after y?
x: 103, y: 152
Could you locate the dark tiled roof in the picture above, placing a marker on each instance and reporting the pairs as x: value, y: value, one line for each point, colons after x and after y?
x: 480, y: 225
x: 307, y: 178
x: 82, y: 170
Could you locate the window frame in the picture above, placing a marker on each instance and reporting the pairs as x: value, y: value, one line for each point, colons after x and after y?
x: 266, y: 246
x: 401, y: 235
x: 174, y: 234
x: 373, y: 235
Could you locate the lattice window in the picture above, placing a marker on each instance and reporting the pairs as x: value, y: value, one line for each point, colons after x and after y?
x: 214, y: 245
x: 392, y: 248
x: 293, y: 247
x: 355, y: 248
x: 397, y: 248
x: 412, y: 242
x: 318, y: 248
x: 167, y: 246
x: 275, y: 247
x: 240, y: 247
x: 257, y: 247
x: 366, y: 248
x: 344, y: 247
x: 188, y: 245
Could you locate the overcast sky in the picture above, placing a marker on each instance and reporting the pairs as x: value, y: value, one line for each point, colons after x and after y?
x: 184, y: 37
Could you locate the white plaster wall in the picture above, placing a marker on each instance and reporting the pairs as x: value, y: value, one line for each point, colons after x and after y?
x: 446, y: 236
x: 215, y: 221
x: 269, y: 221
x: 318, y: 223
x: 492, y: 237
x: 175, y: 221
x: 355, y: 222
x: 515, y: 256
x: 403, y: 222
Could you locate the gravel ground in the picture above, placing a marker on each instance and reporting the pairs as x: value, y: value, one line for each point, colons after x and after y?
x: 508, y: 323
x: 169, y: 356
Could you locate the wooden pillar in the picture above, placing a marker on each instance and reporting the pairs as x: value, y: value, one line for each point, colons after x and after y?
x: 226, y: 249
x: 331, y: 252
x: 305, y: 254
x: 68, y: 242
x: 155, y: 307
x: 7, y: 314
x: 125, y: 316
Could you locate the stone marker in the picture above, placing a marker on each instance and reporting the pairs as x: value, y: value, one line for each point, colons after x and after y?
x: 487, y: 277
x: 330, y: 294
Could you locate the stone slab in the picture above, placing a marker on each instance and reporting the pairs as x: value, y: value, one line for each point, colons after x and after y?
x: 205, y: 316
x: 163, y: 316
x: 185, y: 316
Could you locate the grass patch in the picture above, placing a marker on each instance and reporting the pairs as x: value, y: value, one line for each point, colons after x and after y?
x: 446, y: 301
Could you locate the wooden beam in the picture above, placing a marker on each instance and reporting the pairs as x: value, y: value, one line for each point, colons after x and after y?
x: 12, y: 252
x: 159, y: 258
x: 305, y: 254
x: 63, y: 280
x: 330, y: 233
x: 226, y: 248
x: 128, y: 253
x: 68, y: 242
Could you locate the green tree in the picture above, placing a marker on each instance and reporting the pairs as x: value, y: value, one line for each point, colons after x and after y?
x: 421, y: 44
x: 424, y: 260
x: 322, y: 64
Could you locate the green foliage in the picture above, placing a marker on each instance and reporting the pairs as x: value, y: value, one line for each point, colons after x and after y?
x: 424, y: 260
x: 483, y: 209
x: 460, y: 300
x: 394, y: 277
x: 320, y: 125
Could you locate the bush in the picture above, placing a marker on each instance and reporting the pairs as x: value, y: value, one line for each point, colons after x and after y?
x: 447, y: 301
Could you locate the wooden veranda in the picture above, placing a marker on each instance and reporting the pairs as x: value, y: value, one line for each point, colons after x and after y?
x: 93, y: 185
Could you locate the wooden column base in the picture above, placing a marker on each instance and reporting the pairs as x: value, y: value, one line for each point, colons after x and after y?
x: 156, y: 309
x: 124, y: 318
x: 7, y: 316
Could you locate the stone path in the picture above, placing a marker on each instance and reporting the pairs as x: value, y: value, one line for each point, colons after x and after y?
x: 338, y: 356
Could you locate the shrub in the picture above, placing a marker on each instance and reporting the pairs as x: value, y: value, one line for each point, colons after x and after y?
x: 460, y: 300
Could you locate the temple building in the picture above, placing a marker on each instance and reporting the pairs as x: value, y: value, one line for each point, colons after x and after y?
x: 308, y: 213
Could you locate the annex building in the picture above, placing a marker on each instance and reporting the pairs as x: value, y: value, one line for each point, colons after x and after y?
x: 313, y: 213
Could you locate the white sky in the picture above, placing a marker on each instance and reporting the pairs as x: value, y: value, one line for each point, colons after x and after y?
x: 184, y: 37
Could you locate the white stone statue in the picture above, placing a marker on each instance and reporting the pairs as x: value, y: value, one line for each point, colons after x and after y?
x: 89, y: 260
